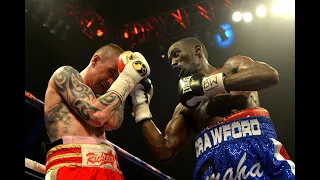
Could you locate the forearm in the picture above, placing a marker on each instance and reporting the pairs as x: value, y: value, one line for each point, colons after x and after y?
x: 156, y: 141
x: 109, y: 108
x: 253, y: 79
x: 97, y: 111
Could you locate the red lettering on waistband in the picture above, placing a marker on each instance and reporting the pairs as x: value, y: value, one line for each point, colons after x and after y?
x: 100, y: 159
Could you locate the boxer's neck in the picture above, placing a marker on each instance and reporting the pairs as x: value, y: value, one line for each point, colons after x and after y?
x: 207, y: 69
x: 85, y: 76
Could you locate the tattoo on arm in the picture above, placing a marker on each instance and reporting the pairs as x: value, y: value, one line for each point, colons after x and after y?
x: 80, y: 97
x: 69, y: 82
x: 118, y: 107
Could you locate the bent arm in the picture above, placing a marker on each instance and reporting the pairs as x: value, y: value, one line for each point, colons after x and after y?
x: 249, y: 75
x: 95, y: 111
x: 176, y: 134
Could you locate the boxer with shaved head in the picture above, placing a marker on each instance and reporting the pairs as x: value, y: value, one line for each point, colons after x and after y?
x: 236, y: 138
x: 81, y: 106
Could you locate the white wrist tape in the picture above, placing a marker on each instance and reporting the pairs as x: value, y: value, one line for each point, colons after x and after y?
x: 141, y: 112
x: 140, y: 101
x: 122, y: 86
x: 213, y: 85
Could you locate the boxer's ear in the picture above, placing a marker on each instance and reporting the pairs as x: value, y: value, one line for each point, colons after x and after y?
x: 95, y: 59
x: 198, y: 50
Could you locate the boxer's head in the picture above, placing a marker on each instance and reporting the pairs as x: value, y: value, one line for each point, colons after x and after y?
x: 188, y: 56
x: 103, y: 68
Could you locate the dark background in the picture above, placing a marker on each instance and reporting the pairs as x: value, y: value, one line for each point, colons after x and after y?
x: 270, y: 40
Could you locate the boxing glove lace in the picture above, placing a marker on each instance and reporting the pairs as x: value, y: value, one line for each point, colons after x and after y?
x: 197, y: 87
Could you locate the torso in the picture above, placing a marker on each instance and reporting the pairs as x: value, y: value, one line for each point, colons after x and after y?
x: 212, y: 110
x: 61, y: 120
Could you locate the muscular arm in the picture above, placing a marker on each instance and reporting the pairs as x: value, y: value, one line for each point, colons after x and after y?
x: 249, y: 75
x: 176, y: 134
x: 95, y: 111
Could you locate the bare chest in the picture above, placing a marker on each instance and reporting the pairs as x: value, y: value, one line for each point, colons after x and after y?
x: 212, y: 110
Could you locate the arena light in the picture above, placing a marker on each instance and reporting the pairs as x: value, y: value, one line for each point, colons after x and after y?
x: 125, y: 35
x: 225, y: 38
x: 247, y: 17
x: 284, y: 7
x: 288, y: 7
x: 276, y: 9
x: 99, y: 32
x: 237, y: 16
x: 261, y: 11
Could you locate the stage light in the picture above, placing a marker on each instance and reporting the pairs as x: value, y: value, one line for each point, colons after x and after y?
x: 247, y: 17
x: 99, y: 32
x: 227, y: 39
x: 261, y: 11
x: 285, y: 7
x: 237, y: 16
x: 89, y: 24
x: 125, y: 35
x: 276, y: 9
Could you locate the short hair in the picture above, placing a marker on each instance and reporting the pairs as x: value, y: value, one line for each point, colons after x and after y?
x: 112, y: 45
x: 192, y: 41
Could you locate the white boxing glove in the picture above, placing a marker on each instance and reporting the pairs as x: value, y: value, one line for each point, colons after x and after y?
x: 133, y: 67
x: 140, y: 99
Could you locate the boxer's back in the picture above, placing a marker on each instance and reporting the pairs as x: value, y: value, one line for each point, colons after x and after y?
x: 212, y: 110
x: 61, y: 120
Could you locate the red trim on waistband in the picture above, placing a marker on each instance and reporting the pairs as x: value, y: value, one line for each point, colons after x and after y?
x: 242, y: 114
x: 284, y: 153
x: 64, y: 151
x: 66, y: 157
x: 246, y: 113
x: 63, y: 160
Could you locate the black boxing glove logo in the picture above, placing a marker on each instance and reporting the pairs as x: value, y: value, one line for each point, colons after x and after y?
x: 140, y: 68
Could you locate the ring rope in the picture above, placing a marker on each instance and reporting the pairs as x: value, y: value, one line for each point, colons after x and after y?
x: 31, y: 99
x: 35, y: 166
x: 29, y: 173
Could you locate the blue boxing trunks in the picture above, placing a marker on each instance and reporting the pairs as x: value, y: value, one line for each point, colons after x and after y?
x: 242, y: 146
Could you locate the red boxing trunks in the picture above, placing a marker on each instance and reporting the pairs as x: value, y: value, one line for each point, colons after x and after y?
x: 82, y: 158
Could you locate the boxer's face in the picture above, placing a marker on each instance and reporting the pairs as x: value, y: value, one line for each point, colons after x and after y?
x: 183, y: 59
x: 105, y: 71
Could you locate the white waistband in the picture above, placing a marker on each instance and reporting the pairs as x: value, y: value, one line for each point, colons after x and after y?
x: 83, y: 140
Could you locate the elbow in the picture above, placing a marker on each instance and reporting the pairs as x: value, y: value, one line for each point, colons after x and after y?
x: 95, y: 123
x: 112, y: 124
x: 164, y: 160
x: 105, y: 120
x: 163, y: 155
x: 98, y: 119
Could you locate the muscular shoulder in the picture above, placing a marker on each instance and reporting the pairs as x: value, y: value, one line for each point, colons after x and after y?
x: 63, y: 75
x: 65, y: 69
x: 236, y: 61
x: 66, y: 72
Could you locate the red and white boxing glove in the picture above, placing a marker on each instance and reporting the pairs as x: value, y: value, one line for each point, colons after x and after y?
x: 133, y: 67
x: 141, y: 96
